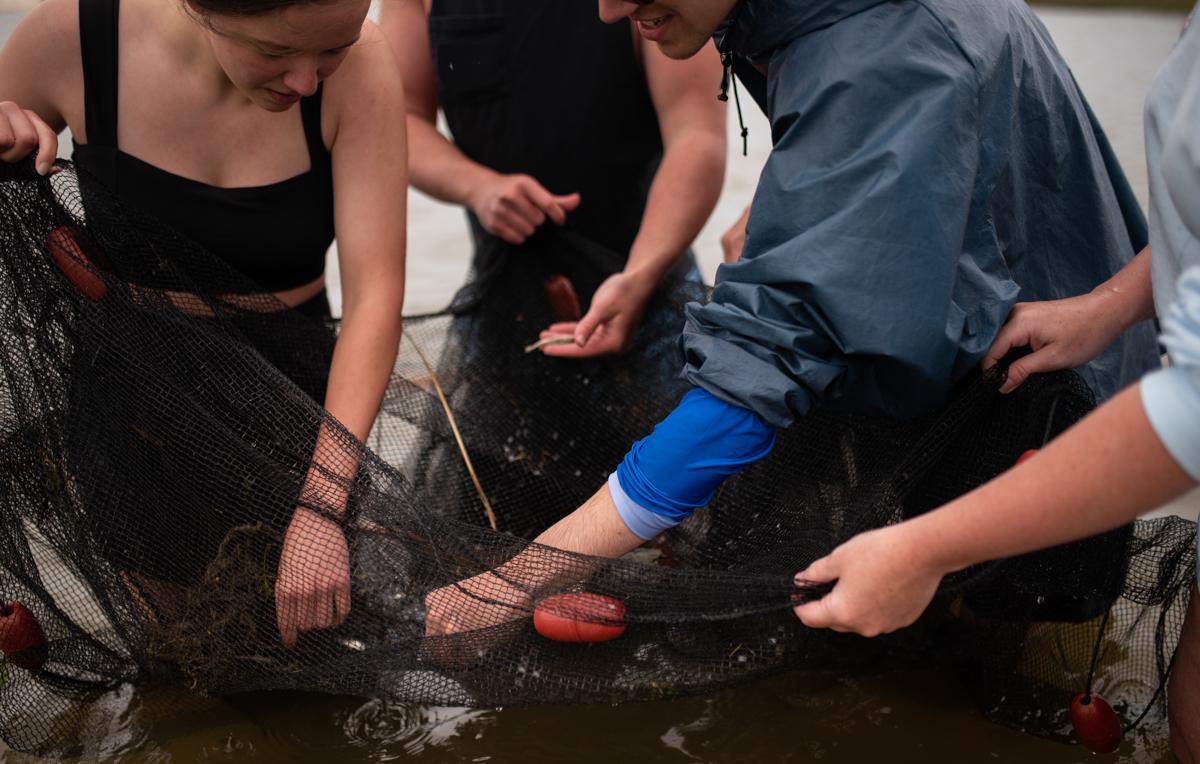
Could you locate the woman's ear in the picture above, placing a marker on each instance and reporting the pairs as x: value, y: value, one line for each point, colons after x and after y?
x: 194, y: 10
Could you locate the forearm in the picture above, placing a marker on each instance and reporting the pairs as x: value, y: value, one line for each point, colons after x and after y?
x: 596, y: 529
x: 363, y: 359
x: 437, y: 167
x: 1099, y: 475
x: 1128, y: 295
x: 593, y: 530
x: 665, y: 476
x: 682, y: 196
x: 506, y: 593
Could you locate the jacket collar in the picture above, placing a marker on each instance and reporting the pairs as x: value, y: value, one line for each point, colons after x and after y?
x: 757, y: 28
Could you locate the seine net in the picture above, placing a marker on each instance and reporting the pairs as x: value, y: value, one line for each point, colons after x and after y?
x: 161, y: 432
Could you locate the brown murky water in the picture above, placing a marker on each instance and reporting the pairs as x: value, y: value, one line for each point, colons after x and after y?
x: 897, y: 714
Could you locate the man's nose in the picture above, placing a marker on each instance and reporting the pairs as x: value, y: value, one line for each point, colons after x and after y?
x: 612, y: 11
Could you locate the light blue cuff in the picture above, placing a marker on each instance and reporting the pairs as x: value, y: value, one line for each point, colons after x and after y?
x: 1171, y: 398
x: 640, y: 521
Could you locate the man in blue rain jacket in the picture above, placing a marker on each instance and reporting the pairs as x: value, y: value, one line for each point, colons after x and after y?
x: 934, y: 163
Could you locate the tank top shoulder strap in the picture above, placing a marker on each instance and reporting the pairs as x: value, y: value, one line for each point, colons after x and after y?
x: 98, y: 44
x: 310, y: 116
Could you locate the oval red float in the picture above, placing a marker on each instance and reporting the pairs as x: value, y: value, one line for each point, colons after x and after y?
x: 1026, y: 455
x: 1096, y: 724
x: 21, y: 637
x: 68, y: 254
x: 564, y: 303
x: 579, y: 617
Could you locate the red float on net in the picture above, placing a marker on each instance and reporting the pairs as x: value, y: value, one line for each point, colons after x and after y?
x: 1096, y: 724
x: 21, y: 637
x: 69, y: 255
x: 564, y: 303
x: 579, y: 617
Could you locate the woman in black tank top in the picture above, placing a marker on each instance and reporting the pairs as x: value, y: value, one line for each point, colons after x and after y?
x: 260, y: 129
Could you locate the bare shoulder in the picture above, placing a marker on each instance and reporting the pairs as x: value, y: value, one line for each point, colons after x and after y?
x: 367, y: 86
x: 51, y: 22
x: 369, y: 72
x: 41, y: 67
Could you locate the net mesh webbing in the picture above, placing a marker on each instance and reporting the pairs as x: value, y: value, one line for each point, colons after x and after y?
x: 158, y: 420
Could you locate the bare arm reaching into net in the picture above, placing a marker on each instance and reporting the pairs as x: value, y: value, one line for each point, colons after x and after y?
x: 506, y: 593
x: 366, y: 99
x: 702, y: 442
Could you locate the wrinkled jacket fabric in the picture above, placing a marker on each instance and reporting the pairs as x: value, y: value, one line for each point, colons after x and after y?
x: 933, y: 164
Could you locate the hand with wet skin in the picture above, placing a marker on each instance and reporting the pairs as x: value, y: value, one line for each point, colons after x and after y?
x: 611, y: 321
x: 514, y: 206
x: 312, y: 590
x: 479, y: 602
x: 883, y: 584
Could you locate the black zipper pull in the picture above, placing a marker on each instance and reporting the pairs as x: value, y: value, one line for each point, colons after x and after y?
x: 726, y: 70
x: 726, y: 76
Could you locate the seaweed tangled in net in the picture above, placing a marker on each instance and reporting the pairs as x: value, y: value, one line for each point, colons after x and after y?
x: 158, y: 418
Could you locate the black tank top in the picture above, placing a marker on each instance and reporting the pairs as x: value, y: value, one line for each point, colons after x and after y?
x: 276, y: 235
x: 543, y: 87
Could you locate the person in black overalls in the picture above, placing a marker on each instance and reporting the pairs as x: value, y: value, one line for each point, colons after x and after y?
x: 561, y: 121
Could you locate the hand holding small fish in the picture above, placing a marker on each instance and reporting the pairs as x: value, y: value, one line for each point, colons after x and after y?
x: 610, y: 323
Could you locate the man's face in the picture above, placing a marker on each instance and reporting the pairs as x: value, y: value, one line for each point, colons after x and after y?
x: 680, y: 27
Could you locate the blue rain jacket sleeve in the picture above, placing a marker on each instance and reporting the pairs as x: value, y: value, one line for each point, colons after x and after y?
x: 857, y: 279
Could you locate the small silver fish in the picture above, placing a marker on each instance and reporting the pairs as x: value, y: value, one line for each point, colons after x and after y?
x: 547, y: 341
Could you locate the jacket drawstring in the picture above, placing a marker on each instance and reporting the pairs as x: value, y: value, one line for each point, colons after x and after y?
x: 726, y: 76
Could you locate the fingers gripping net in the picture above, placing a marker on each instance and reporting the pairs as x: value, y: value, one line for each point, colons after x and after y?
x: 176, y: 507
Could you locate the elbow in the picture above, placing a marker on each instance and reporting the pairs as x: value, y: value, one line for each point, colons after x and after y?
x: 711, y: 149
x: 383, y: 309
x: 704, y: 146
x: 700, y: 159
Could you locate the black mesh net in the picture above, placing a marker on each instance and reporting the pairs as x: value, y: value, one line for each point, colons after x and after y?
x: 158, y: 423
